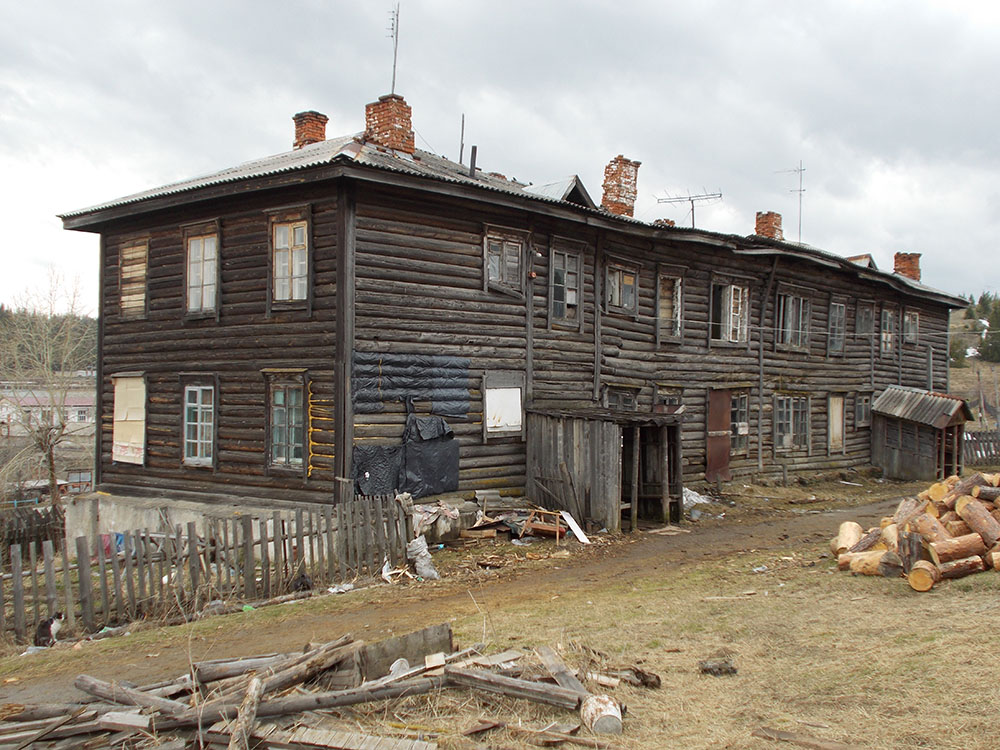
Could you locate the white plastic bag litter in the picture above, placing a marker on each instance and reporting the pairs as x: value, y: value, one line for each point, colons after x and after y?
x: 417, y: 551
x: 692, y: 498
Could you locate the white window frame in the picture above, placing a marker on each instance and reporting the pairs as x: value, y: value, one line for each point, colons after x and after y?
x: 887, y: 331
x: 739, y: 438
x: 199, y: 449
x: 290, y: 274
x: 202, y: 272
x: 911, y: 327
x: 792, y: 423
x: 500, y: 245
x: 503, y: 405
x: 734, y: 325
x: 837, y: 328
x: 794, y: 314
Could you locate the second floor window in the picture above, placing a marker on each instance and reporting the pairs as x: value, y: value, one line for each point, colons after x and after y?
x: 911, y: 327
x: 669, y: 306
x: 565, y: 287
x: 202, y: 273
x: 504, y: 266
x: 793, y: 320
x: 132, y: 280
x: 730, y: 313
x: 888, y: 332
x: 838, y: 322
x: 290, y: 262
x: 622, y: 289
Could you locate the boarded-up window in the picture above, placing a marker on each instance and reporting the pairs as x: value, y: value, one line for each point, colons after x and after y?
x: 128, y: 441
x: 290, y: 262
x: 864, y: 321
x: 911, y: 327
x: 669, y: 306
x: 202, y: 273
x: 503, y: 404
x: 132, y: 279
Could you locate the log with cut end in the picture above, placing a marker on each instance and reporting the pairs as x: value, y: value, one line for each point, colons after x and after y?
x: 908, y: 508
x: 958, y: 527
x: 849, y: 534
x: 945, y: 518
x: 890, y: 566
x: 929, y: 528
x: 890, y: 537
x: 986, y: 493
x: 964, y: 487
x: 910, y: 548
x: 885, y: 521
x: 956, y: 548
x: 992, y: 558
x: 871, y: 540
x: 923, y: 575
x: 866, y: 563
x: 978, y: 517
x: 959, y: 568
x: 937, y: 491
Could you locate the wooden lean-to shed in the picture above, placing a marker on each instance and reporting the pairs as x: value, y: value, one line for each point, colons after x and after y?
x: 602, y: 464
x: 918, y: 434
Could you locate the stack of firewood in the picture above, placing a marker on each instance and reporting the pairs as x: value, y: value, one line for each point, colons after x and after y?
x: 949, y: 530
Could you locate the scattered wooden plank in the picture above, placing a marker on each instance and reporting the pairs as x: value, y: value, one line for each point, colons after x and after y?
x: 378, y: 657
x: 551, y: 695
x: 49, y: 728
x: 243, y: 727
x: 126, y: 696
x: 559, y: 671
x: 802, y: 740
x: 577, y: 531
x: 125, y: 720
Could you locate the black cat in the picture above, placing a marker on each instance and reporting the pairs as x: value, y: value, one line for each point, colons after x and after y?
x: 45, y: 634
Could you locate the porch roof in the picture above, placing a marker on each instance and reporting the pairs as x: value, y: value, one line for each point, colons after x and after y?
x: 936, y: 410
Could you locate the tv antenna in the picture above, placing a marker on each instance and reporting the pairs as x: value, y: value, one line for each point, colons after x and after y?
x: 800, y: 169
x: 394, y: 33
x: 692, y: 199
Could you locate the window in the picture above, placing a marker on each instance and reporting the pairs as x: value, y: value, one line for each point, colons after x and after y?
x: 505, y: 261
x: 287, y: 425
x: 132, y: 280
x: 668, y: 399
x: 202, y: 273
x: 669, y: 304
x: 911, y: 327
x: 81, y: 415
x: 838, y: 325
x: 622, y: 399
x: 888, y: 332
x: 565, y: 287
x: 862, y: 410
x: 793, y: 321
x: 739, y: 433
x: 128, y: 441
x: 791, y: 422
x: 199, y: 425
x: 290, y: 261
x: 622, y: 289
x: 864, y: 322
x: 503, y: 405
x: 730, y: 309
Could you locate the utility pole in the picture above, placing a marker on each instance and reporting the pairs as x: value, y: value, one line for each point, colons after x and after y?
x: 394, y: 33
x: 800, y: 169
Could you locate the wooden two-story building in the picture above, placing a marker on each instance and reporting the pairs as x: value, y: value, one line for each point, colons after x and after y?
x: 360, y: 315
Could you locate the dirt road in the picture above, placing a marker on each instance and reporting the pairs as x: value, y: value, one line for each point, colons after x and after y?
x: 166, y: 653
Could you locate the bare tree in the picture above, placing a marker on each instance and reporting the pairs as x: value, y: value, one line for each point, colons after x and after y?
x: 47, y: 355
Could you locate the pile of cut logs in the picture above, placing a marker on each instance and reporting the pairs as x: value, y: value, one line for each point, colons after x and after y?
x: 241, y: 702
x: 950, y: 530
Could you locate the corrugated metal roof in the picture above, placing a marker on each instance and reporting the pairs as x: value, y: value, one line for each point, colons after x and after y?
x: 923, y: 407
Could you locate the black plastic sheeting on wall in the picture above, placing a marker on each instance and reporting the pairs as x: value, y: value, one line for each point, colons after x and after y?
x: 425, y: 464
x: 381, y: 377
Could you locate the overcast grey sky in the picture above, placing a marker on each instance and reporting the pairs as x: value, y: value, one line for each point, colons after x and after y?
x: 892, y: 107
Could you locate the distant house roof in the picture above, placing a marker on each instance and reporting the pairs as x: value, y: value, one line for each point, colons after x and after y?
x: 924, y: 407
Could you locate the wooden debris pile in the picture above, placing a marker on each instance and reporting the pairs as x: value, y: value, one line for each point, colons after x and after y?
x: 289, y: 700
x: 950, y: 530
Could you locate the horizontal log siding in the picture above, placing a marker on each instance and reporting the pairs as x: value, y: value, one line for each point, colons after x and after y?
x: 234, y: 349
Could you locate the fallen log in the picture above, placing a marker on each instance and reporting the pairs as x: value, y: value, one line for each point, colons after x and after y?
x: 866, y: 563
x: 890, y: 537
x: 221, y: 669
x: 978, y: 517
x: 958, y: 527
x: 929, y: 528
x: 552, y: 695
x: 22, y: 712
x: 908, y: 509
x: 304, y: 667
x: 986, y: 492
x: 992, y: 558
x: 909, y: 548
x: 126, y: 696
x: 961, y: 568
x: 890, y: 566
x: 956, y: 548
x: 964, y: 487
x: 243, y: 726
x: 849, y: 534
x: 923, y: 575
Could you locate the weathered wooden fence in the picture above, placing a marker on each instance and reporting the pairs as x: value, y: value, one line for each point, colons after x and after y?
x: 982, y: 448
x: 178, y: 572
x: 29, y: 527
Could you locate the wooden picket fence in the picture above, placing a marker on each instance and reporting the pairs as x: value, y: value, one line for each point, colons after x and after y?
x: 173, y: 573
x: 982, y: 448
x: 30, y: 526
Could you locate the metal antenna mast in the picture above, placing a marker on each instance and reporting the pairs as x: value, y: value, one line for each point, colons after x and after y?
x: 800, y: 169
x: 394, y: 33
x: 691, y: 199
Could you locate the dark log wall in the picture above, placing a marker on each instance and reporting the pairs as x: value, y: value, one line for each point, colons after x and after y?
x: 234, y: 350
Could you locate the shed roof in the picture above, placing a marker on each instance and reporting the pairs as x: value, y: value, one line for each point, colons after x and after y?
x: 924, y: 407
x: 611, y: 415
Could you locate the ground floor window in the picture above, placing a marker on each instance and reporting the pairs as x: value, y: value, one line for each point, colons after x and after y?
x: 791, y: 422
x: 199, y: 425
x: 739, y: 409
x: 287, y: 433
x: 863, y: 410
x: 128, y: 442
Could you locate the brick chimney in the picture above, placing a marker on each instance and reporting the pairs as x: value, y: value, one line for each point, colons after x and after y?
x: 310, y: 127
x: 619, y: 185
x: 387, y: 123
x: 908, y: 265
x: 769, y: 225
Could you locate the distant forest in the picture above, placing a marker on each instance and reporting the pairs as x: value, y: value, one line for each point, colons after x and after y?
x: 49, y: 342
x: 982, y: 321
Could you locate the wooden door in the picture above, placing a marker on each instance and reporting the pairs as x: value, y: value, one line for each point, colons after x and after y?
x: 835, y: 424
x: 719, y: 433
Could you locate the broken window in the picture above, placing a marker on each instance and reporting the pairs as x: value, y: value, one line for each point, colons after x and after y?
x: 290, y: 261
x: 132, y: 279
x: 199, y: 425
x: 288, y: 422
x: 864, y: 321
x: 911, y: 327
x: 730, y: 313
x: 791, y: 422
x: 565, y: 284
x: 793, y: 321
x: 668, y: 399
x: 862, y: 410
x: 128, y: 441
x: 838, y: 323
x: 622, y: 288
x: 504, y: 261
x: 202, y: 272
x: 739, y: 419
x: 622, y: 399
x: 887, y: 334
x: 669, y: 304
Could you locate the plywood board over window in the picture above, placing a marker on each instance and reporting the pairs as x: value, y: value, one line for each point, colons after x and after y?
x: 128, y: 440
x: 503, y: 404
x: 132, y: 279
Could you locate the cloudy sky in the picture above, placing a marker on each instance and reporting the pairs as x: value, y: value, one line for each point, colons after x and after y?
x: 892, y: 107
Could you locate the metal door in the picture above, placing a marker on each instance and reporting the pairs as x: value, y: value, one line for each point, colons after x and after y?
x: 717, y: 444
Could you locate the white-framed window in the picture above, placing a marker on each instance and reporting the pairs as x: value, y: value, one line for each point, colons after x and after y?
x: 887, y: 333
x: 739, y: 420
x: 199, y: 425
x: 669, y: 306
x: 128, y: 441
x: 503, y: 404
x: 862, y: 410
x: 621, y: 288
x: 290, y: 261
x: 202, y: 273
x: 793, y: 321
x: 730, y: 313
x: 287, y: 428
x: 837, y: 327
x: 81, y: 414
x: 791, y: 422
x: 911, y: 327
x: 132, y: 279
x: 504, y: 260
x: 565, y: 285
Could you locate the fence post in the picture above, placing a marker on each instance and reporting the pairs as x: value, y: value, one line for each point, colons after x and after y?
x: 130, y: 546
x: 328, y: 520
x: 300, y: 551
x: 33, y: 561
x: 102, y: 575
x: 193, y: 563
x: 265, y: 561
x: 249, y: 565
x: 17, y: 582
x: 279, y: 547
x: 86, y: 583
x: 67, y: 584
x: 116, y: 576
x: 51, y: 601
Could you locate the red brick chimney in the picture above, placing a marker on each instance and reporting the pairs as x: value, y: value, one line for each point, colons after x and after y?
x: 619, y: 185
x: 908, y: 265
x: 387, y: 123
x: 310, y: 127
x: 769, y: 225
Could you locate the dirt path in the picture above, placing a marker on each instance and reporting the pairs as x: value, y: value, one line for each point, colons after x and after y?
x: 400, y: 610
